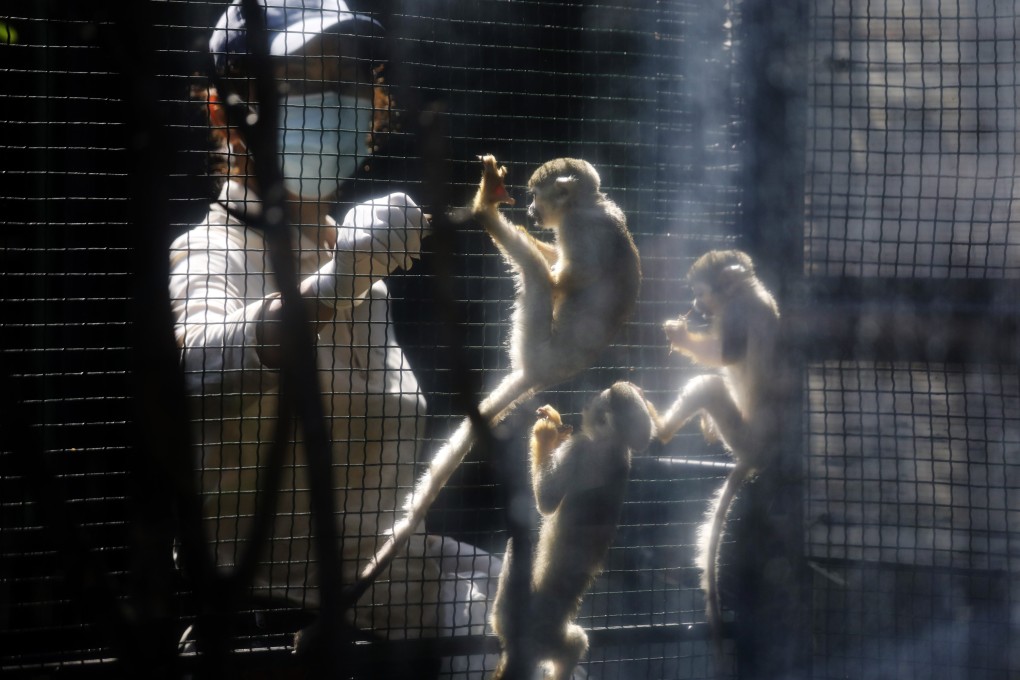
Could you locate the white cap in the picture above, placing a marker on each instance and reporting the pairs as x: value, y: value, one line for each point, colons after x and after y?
x: 290, y: 24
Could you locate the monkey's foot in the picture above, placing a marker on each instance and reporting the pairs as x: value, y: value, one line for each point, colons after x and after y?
x: 492, y: 191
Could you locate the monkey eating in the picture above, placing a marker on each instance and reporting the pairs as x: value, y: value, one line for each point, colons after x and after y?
x: 573, y: 296
x: 741, y: 404
x: 579, y: 483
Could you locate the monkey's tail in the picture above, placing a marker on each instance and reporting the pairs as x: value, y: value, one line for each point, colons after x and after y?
x: 510, y: 392
x: 709, y: 562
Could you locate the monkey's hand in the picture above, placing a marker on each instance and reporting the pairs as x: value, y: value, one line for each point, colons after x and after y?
x: 547, y: 412
x: 677, y: 334
x: 548, y: 432
x: 491, y: 190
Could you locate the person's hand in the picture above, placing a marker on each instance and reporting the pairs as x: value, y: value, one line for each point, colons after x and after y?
x: 387, y: 229
x: 375, y: 238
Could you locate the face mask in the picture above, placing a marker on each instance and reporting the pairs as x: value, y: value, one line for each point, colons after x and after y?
x: 323, y: 138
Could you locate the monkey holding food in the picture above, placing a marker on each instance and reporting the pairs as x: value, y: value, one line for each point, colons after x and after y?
x: 741, y: 403
x: 579, y: 483
x: 573, y: 296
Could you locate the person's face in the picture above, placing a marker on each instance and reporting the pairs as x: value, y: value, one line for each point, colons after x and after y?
x: 324, y: 65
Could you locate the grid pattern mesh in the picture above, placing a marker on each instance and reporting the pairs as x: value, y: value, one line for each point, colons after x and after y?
x: 911, y: 520
x: 909, y: 469
x: 65, y: 327
x: 526, y: 81
x: 913, y: 466
x: 911, y: 141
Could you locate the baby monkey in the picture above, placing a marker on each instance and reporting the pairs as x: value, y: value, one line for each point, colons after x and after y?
x: 579, y: 483
x: 740, y: 404
x: 573, y: 295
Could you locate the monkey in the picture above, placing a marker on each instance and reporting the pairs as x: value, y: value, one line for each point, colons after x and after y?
x: 741, y: 404
x: 579, y: 482
x: 573, y: 295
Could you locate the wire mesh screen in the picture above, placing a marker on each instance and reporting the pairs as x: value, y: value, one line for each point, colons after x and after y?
x: 916, y: 463
x: 911, y: 144
x: 910, y: 523
x: 108, y: 146
x: 65, y: 333
x: 910, y: 175
x: 146, y: 433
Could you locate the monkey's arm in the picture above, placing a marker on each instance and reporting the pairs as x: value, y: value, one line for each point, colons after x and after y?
x: 548, y: 250
x: 553, y: 478
x: 547, y: 433
x: 526, y: 253
x: 710, y: 395
x: 704, y: 348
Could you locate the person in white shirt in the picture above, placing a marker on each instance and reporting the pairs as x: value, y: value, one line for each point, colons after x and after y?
x: 227, y: 310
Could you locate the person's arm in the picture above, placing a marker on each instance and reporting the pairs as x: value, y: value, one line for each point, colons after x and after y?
x: 375, y: 238
x: 216, y: 325
x: 221, y: 335
x: 269, y: 329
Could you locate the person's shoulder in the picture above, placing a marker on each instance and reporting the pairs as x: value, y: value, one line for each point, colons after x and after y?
x: 219, y: 230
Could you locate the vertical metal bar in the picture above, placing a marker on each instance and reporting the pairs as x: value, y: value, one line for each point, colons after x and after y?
x: 773, y: 626
x: 774, y: 83
x: 298, y: 372
x: 163, y: 482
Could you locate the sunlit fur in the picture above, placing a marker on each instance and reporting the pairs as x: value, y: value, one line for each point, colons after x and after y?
x: 573, y: 296
x: 741, y: 403
x: 579, y: 484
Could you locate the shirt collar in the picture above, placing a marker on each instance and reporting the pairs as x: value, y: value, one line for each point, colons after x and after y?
x: 245, y: 206
x: 240, y: 201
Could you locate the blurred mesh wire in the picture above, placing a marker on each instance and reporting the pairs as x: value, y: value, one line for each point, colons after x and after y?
x: 906, y: 161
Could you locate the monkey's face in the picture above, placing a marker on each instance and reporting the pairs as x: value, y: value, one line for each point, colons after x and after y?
x: 716, y: 277
x: 544, y: 211
x: 560, y: 185
x: 706, y: 300
x: 598, y: 417
x: 550, y: 201
x: 620, y: 414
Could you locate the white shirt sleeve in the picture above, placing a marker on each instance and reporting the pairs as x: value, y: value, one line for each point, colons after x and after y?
x: 217, y: 288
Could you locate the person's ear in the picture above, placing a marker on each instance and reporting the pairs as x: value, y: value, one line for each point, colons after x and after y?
x: 217, y: 114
